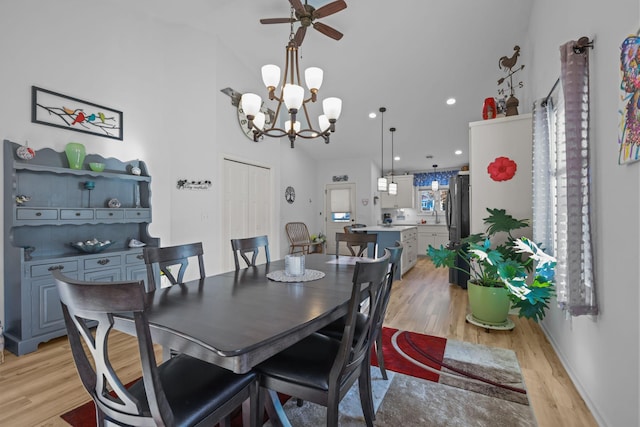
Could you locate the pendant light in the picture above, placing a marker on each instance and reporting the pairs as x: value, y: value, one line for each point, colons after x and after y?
x: 393, y: 187
x: 435, y: 183
x: 382, y: 181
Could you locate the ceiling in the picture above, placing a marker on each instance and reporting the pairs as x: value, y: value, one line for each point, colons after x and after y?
x: 408, y: 56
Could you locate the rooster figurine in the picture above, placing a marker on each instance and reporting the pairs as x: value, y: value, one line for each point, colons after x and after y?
x: 507, y: 64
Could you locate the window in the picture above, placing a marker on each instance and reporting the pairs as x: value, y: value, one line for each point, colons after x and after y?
x: 432, y: 200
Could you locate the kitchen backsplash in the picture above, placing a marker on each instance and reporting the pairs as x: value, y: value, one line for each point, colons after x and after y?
x: 412, y: 216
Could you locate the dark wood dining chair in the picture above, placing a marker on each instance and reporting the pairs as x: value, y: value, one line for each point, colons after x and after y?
x: 357, y: 243
x: 321, y: 369
x: 183, y: 391
x: 162, y: 259
x: 299, y: 238
x: 250, y: 245
x: 353, y: 228
x: 336, y: 328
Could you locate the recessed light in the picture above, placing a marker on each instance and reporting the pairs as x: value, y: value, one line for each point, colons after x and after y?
x: 458, y: 152
x: 451, y: 101
x: 372, y: 115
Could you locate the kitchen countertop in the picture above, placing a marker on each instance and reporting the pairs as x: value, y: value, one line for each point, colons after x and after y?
x: 383, y: 228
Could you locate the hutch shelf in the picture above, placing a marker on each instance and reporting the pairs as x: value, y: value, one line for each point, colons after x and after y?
x: 47, y: 206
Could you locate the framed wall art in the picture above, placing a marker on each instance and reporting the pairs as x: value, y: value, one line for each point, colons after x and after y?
x: 54, y: 109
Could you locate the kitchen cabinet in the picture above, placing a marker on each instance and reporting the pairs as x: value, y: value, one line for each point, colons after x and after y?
x: 405, y: 197
x: 60, y: 210
x: 387, y: 236
x: 434, y: 235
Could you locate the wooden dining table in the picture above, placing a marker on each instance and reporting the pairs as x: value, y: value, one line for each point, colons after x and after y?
x: 240, y: 318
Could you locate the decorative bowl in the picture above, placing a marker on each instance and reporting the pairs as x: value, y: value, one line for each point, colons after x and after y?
x: 92, y: 246
x: 96, y: 167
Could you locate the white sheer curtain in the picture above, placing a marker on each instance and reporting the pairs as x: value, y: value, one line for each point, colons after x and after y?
x: 562, y: 183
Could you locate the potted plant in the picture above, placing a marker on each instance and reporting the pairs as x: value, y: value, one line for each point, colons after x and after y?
x: 514, y: 269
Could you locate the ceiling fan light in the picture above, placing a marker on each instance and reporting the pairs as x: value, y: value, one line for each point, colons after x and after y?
x: 259, y: 120
x: 393, y: 188
x: 271, y: 75
x: 323, y: 123
x: 382, y: 184
x: 251, y: 104
x: 332, y: 108
x: 293, y: 96
x: 313, y: 77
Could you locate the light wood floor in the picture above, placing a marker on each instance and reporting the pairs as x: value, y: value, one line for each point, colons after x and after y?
x: 35, y: 389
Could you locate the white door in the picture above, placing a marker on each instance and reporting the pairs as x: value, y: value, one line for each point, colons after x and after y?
x: 340, y: 210
x: 247, y: 206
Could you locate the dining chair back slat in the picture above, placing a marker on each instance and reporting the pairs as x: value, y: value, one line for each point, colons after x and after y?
x: 357, y: 243
x: 250, y: 245
x: 163, y: 259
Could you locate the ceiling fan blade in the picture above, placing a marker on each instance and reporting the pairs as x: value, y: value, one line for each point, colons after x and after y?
x: 299, y: 37
x: 298, y: 7
x: 329, y: 9
x: 276, y: 20
x: 327, y: 30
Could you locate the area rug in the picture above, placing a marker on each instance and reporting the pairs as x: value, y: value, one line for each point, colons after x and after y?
x: 432, y: 382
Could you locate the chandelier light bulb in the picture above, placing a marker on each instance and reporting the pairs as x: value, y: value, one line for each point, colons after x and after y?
x: 270, y: 75
x: 313, y: 77
x: 259, y: 120
x: 251, y: 104
x: 323, y: 123
x: 296, y: 126
x: 293, y: 96
x: 332, y: 108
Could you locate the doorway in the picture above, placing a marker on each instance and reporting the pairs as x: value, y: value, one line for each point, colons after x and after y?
x: 247, y: 206
x: 340, y: 211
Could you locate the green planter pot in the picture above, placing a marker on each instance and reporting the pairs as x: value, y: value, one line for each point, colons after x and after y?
x: 489, y: 305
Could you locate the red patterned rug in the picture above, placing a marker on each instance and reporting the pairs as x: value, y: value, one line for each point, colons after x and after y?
x: 416, y: 355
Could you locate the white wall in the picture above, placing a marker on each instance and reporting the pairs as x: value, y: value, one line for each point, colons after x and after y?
x: 166, y: 78
x: 601, y: 353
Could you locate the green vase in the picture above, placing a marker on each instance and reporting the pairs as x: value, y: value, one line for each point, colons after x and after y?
x: 489, y: 305
x: 75, y: 154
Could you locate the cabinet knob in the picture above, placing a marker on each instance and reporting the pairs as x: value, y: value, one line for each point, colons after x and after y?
x: 38, y: 213
x: 56, y: 267
x: 138, y: 213
x: 140, y: 256
x: 104, y: 261
x: 110, y: 213
x: 77, y: 213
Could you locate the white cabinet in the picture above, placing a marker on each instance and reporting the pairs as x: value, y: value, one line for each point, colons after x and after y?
x: 406, y: 193
x: 434, y: 235
x: 409, y: 239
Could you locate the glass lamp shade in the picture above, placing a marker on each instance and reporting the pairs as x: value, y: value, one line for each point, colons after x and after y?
x: 270, y: 75
x: 323, y: 123
x: 296, y: 126
x: 259, y: 120
x: 382, y: 184
x: 313, y: 77
x: 434, y: 185
x: 393, y: 188
x: 251, y: 104
x: 293, y: 96
x: 332, y: 108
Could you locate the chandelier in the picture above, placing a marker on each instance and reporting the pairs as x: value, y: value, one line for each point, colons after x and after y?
x: 292, y: 94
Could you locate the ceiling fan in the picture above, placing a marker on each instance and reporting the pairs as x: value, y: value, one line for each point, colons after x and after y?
x: 306, y: 15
